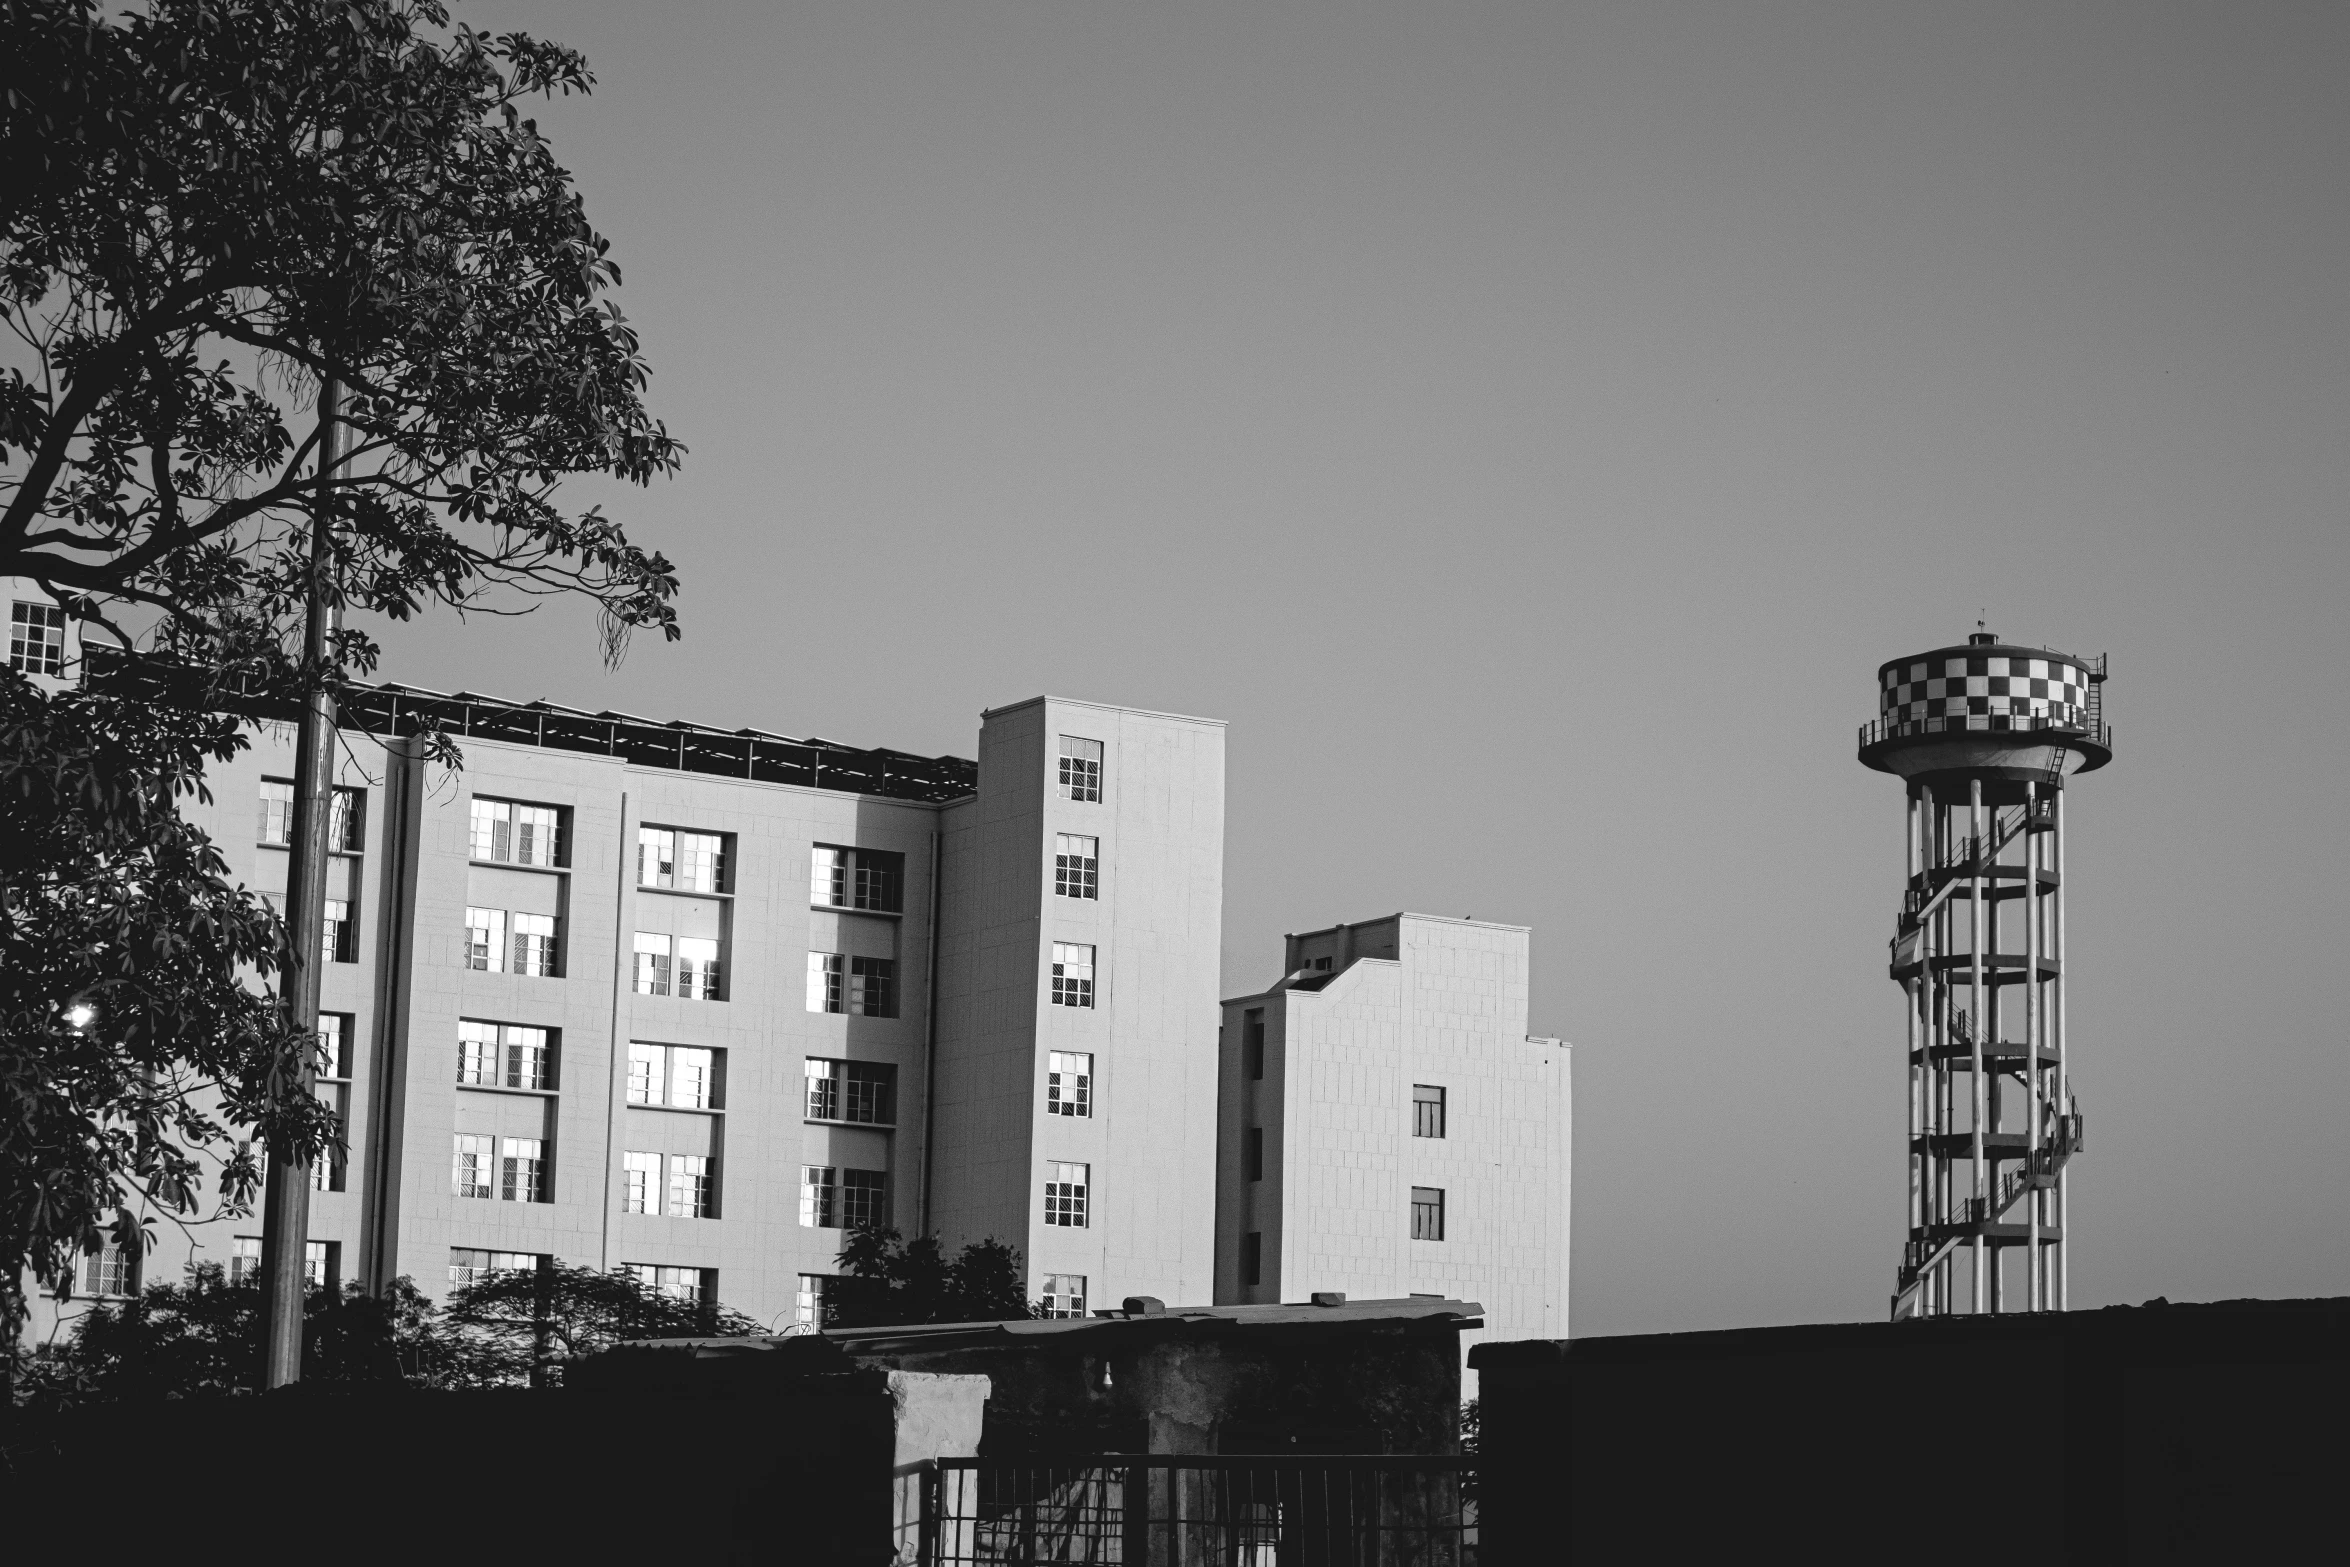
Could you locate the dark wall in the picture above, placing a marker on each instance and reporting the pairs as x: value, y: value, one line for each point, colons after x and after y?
x: 2149, y: 1434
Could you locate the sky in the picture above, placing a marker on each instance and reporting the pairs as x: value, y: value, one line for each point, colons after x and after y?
x: 1530, y: 426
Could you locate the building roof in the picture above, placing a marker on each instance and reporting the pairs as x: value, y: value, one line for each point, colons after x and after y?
x: 1420, y: 1313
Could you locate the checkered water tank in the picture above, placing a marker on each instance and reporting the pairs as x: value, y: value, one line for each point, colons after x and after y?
x: 1985, y: 680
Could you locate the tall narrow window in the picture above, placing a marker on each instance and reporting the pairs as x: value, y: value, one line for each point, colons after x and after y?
x: 1081, y: 768
x: 693, y: 1078
x: 345, y: 820
x: 321, y: 1264
x: 828, y: 975
x: 652, y: 964
x: 277, y: 811
x: 1427, y: 1213
x: 1063, y: 1295
x: 529, y: 1058
x: 846, y: 878
x: 1072, y: 974
x: 472, y: 1172
x: 522, y: 1166
x: 1065, y: 1194
x: 640, y: 1183
x: 1427, y: 1110
x: 534, y: 944
x: 342, y: 937
x: 1068, y: 1083
x: 485, y: 940
x: 645, y: 1074
x: 244, y: 1260
x: 819, y: 1197
x: 697, y: 968
x: 1077, y: 866
x: 1252, y: 1257
x: 36, y: 638
x: 516, y: 833
x: 334, y: 1044
x: 1252, y: 1044
x: 1252, y: 1153
x: 477, y: 1052
x: 689, y: 1186
x: 808, y: 1304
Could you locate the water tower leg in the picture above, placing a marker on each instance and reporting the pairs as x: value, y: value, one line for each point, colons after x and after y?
x: 1976, y: 1021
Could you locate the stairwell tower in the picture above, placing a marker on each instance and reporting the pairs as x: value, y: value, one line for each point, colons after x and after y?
x: 1985, y: 736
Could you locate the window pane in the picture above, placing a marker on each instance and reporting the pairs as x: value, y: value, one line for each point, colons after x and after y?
x: 1068, y: 1083
x: 1427, y: 1110
x: 1065, y: 1194
x: 819, y: 1197
x: 701, y: 862
x: 343, y: 824
x: 485, y: 940
x: 535, y: 835
x: 873, y: 987
x: 1076, y: 867
x: 1064, y: 1295
x: 1072, y: 974
x: 652, y: 964
x: 640, y: 1175
x: 333, y: 1031
x: 691, y: 1085
x: 522, y: 1167
x: 471, y: 1175
x: 825, y: 1080
x: 528, y: 1062
x: 689, y: 1186
x: 1427, y: 1213
x: 534, y: 944
x: 827, y: 982
x: 828, y: 878
x: 36, y: 637
x: 1081, y: 768
x: 277, y: 811
x: 697, y: 968
x: 645, y: 1077
x: 861, y: 1202
x: 656, y: 857
x: 493, y: 830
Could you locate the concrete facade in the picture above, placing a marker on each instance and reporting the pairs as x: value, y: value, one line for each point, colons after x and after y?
x: 642, y: 1099
x: 1327, y: 1142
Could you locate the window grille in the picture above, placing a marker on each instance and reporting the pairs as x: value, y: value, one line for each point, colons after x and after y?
x: 697, y: 968
x: 1077, y: 866
x: 1427, y: 1213
x: 1065, y: 1194
x: 472, y: 1172
x: 485, y: 940
x: 1063, y: 1295
x: 863, y: 1205
x: 1068, y: 1083
x: 36, y: 638
x: 522, y: 1170
x: 689, y: 1186
x: 1081, y: 768
x: 534, y: 945
x: 1072, y: 974
x: 110, y: 1270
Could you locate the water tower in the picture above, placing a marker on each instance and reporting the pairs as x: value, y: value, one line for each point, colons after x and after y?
x: 1985, y: 736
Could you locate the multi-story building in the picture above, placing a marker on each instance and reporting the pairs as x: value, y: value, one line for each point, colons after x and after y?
x: 1387, y: 1126
x: 696, y: 1001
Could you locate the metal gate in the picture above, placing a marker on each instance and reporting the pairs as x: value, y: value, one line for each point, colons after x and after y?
x: 1140, y: 1510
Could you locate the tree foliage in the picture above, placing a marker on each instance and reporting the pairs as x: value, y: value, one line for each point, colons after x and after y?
x: 210, y: 208
x: 892, y: 1280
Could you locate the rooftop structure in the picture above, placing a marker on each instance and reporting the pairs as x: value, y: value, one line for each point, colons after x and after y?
x: 1985, y: 735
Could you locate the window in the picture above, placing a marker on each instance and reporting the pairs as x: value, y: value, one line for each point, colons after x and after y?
x: 834, y: 1199
x: 1252, y: 1043
x: 1427, y: 1110
x: 110, y: 1270
x: 534, y: 945
x: 321, y: 1264
x: 277, y: 811
x: 1427, y: 1213
x: 472, y: 1172
x: 468, y: 1264
x: 690, y: 1192
x: 345, y: 820
x: 695, y: 1286
x: 870, y: 879
x: 342, y: 936
x: 1252, y: 1257
x: 326, y: 1171
x: 1077, y: 866
x: 516, y: 833
x: 504, y: 1055
x: 652, y: 964
x: 1081, y: 768
x: 36, y: 638
x: 697, y: 968
x: 861, y: 987
x: 244, y: 1260
x: 640, y: 1176
x: 1072, y: 974
x: 485, y: 940
x: 687, y: 861
x: 1064, y: 1194
x: 522, y: 1170
x: 1064, y: 1295
x: 862, y: 1204
x: 862, y: 1091
x: 334, y: 1044
x: 683, y: 1077
x: 1252, y: 1153
x: 1068, y: 1083
x: 808, y: 1305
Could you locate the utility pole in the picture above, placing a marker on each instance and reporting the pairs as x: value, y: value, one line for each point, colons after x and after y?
x: 285, y: 1216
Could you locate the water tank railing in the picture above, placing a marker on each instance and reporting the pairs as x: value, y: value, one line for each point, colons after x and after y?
x: 1878, y: 730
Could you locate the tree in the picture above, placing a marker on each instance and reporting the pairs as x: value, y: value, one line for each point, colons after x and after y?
x: 892, y: 1280
x: 212, y: 208
x: 540, y: 1318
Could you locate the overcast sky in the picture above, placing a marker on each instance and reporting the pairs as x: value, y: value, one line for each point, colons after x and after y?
x: 1530, y: 426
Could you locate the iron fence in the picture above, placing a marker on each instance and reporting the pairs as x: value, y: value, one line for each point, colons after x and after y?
x: 1165, y: 1511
